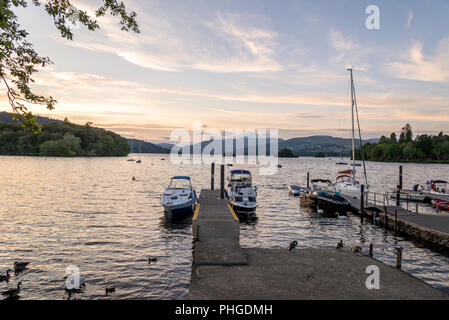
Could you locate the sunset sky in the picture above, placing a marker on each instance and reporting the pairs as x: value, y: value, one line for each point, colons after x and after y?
x: 250, y: 64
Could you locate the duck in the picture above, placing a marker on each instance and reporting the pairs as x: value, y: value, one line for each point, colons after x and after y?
x: 5, y: 277
x: 151, y: 260
x: 109, y: 290
x: 293, y: 245
x: 13, y: 292
x: 20, y: 266
x: 340, y: 244
x: 356, y: 249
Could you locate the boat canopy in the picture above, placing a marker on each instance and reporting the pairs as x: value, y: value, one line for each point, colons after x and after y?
x: 181, y: 177
x: 321, y: 180
x: 342, y: 176
x: 439, y: 181
x: 240, y: 172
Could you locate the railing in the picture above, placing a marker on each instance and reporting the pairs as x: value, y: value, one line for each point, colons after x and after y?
x: 376, y: 198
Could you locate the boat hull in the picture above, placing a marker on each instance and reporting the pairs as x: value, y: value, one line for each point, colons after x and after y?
x: 180, y: 211
x: 242, y: 211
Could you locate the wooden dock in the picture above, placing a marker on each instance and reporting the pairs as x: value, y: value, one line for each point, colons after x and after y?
x: 223, y: 270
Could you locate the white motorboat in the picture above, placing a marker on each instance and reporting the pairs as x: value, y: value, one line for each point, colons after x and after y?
x: 296, y: 190
x: 242, y: 194
x: 179, y: 198
x: 346, y: 183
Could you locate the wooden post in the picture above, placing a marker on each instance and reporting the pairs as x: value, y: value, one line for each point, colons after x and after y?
x: 399, y: 258
x: 212, y: 175
x: 386, y: 220
x: 398, y: 196
x: 222, y: 181
x: 370, y: 249
x: 362, y: 203
x: 416, y: 208
x: 308, y: 180
x: 400, y: 177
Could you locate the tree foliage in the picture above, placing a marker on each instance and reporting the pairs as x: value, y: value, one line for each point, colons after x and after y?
x: 19, y: 60
x: 423, y: 148
x: 62, y: 139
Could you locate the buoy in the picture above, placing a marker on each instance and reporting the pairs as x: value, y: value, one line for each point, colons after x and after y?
x: 134, y: 179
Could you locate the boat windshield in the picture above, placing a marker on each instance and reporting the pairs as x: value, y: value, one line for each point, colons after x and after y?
x: 240, y: 178
x: 179, y: 184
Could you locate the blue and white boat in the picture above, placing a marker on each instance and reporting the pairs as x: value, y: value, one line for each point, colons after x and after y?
x: 242, y: 194
x: 179, y: 198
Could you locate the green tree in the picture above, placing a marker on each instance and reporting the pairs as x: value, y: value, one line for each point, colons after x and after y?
x: 393, y: 137
x: 19, y: 60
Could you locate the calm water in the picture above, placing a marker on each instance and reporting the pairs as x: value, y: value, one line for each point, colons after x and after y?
x: 87, y: 212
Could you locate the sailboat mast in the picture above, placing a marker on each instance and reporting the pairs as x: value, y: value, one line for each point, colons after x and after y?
x: 352, y: 120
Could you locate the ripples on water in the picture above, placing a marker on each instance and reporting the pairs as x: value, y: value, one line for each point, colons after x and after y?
x: 87, y: 212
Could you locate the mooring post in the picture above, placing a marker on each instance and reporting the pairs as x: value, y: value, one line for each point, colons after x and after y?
x: 398, y: 195
x: 386, y: 220
x: 399, y: 258
x: 212, y: 175
x: 362, y: 203
x: 222, y: 181
x: 370, y: 249
x: 416, y: 209
x: 308, y: 180
x: 400, y: 177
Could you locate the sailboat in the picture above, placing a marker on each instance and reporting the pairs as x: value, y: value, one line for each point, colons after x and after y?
x: 346, y: 183
x: 341, y: 162
x: 132, y: 149
x: 140, y: 151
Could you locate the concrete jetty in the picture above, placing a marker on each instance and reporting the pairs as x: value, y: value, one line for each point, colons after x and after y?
x: 221, y: 269
x: 430, y: 228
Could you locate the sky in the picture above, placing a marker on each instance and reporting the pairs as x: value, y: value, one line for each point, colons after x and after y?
x: 249, y: 64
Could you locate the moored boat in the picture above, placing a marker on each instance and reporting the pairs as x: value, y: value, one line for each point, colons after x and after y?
x: 296, y: 190
x: 179, y: 198
x: 242, y: 193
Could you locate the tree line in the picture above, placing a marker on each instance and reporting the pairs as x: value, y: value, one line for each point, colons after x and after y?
x: 62, y: 139
x: 431, y: 148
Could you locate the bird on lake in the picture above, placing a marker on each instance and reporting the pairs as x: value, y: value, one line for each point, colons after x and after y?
x: 293, y: 245
x: 5, y: 277
x: 356, y: 249
x: 13, y: 292
x: 151, y: 260
x: 109, y: 290
x: 20, y: 266
x: 340, y: 244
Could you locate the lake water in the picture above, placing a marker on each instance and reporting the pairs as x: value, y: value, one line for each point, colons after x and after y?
x: 89, y: 213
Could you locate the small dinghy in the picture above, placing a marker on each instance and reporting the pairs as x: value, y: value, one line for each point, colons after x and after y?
x: 179, y: 199
x: 440, y: 204
x: 242, y: 194
x: 296, y: 190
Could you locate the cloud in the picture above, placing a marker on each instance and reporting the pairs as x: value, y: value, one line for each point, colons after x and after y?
x: 225, y: 43
x: 417, y: 66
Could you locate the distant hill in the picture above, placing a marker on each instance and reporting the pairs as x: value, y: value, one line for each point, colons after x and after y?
x: 145, y: 147
x: 6, y: 117
x: 306, y: 146
x: 330, y: 146
x: 167, y: 146
x: 59, y: 139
